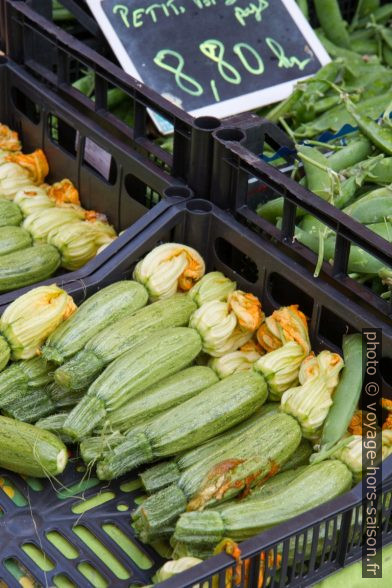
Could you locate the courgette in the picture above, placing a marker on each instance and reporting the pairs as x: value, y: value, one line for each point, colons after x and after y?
x: 316, y: 485
x: 101, y: 309
x: 233, y: 468
x: 163, y: 354
x: 28, y: 266
x: 54, y: 423
x: 13, y: 239
x: 29, y: 450
x: 204, y: 416
x: 10, y: 214
x: 125, y: 334
x: 165, y: 394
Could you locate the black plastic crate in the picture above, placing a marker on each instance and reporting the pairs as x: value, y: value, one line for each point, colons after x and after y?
x: 131, y: 195
x: 241, y: 180
x: 257, y: 266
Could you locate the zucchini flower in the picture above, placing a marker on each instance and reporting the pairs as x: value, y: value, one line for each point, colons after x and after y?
x: 280, y: 368
x: 76, y: 243
x: 284, y: 325
x: 355, y: 426
x: 237, y: 361
x: 226, y: 326
x: 40, y: 224
x: 247, y: 309
x: 64, y: 192
x: 102, y: 247
x: 169, y: 268
x: 310, y: 402
x: 12, y: 179
x: 386, y: 440
x: 9, y: 140
x: 33, y: 199
x: 104, y: 232
x: 351, y: 455
x: 173, y: 567
x: 32, y: 317
x: 213, y: 286
x: 35, y: 164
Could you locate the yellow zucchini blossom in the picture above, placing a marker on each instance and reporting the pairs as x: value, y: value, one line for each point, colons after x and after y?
x: 351, y: 455
x: 12, y: 179
x: 34, y: 163
x: 33, y: 199
x: 41, y: 223
x: 169, y: 268
x: 247, y: 309
x: 280, y: 368
x: 237, y: 361
x: 32, y: 317
x: 173, y: 567
x: 212, y: 286
x: 284, y: 325
x: 64, y: 192
x: 9, y: 140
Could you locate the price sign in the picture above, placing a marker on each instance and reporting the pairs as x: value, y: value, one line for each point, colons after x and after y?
x: 215, y: 57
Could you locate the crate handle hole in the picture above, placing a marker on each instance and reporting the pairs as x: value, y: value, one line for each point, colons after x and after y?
x: 230, y: 135
x: 236, y: 260
x: 178, y: 192
x: 25, y: 105
x: 207, y: 123
x: 199, y: 206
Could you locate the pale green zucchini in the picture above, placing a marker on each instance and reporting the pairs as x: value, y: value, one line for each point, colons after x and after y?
x: 29, y: 450
x: 94, y: 448
x: 159, y: 397
x: 167, y: 472
x: 25, y: 267
x: 10, y: 214
x: 101, y: 309
x: 300, y: 456
x: 313, y: 487
x: 13, y: 239
x: 200, y: 418
x: 164, y: 353
x: 233, y: 468
x: 123, y: 335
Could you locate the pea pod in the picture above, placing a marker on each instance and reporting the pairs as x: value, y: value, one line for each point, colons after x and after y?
x: 381, y: 15
x: 364, y: 8
x: 347, y: 393
x: 320, y: 178
x: 372, y: 208
x: 381, y: 137
x: 353, y: 153
x: 376, y: 170
x: 331, y: 21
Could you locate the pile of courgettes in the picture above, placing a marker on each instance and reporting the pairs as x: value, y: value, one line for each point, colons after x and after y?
x: 236, y: 424
x: 42, y: 227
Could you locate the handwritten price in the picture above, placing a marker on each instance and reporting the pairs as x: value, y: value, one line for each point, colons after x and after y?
x: 250, y: 59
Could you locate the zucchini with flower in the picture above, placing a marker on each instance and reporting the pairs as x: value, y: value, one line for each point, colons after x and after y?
x: 249, y: 459
x: 316, y: 485
x: 121, y: 336
x: 19, y: 171
x: 10, y: 214
x: 13, y: 239
x: 9, y: 141
x: 118, y: 300
x: 237, y: 361
x: 41, y: 223
x: 226, y: 326
x: 30, y: 319
x: 27, y: 266
x: 33, y: 199
x: 63, y: 193
x: 169, y: 268
x: 229, y: 402
x: 164, y: 353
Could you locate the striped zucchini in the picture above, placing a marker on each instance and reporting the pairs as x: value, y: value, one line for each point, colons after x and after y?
x: 233, y: 468
x: 317, y: 484
x: 101, y: 309
x: 25, y: 267
x: 13, y: 239
x: 164, y: 353
x: 200, y: 418
x: 125, y: 334
x: 166, y: 393
x: 165, y: 473
x: 300, y: 456
x: 94, y: 448
x: 30, y: 451
x: 10, y: 214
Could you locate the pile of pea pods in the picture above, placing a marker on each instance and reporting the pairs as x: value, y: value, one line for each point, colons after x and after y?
x: 350, y: 101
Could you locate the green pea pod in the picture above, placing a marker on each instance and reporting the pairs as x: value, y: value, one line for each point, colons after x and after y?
x: 339, y: 116
x: 364, y: 8
x: 347, y: 393
x: 331, y: 21
x: 348, y: 190
x: 320, y: 178
x: 360, y: 261
x: 273, y: 209
x: 365, y: 46
x: 372, y: 208
x: 353, y: 153
x: 376, y: 170
x: 381, y: 15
